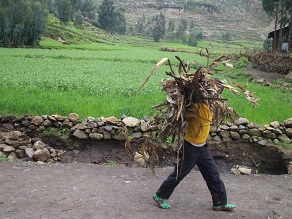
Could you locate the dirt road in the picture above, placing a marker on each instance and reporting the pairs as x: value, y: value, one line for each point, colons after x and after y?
x: 88, y: 191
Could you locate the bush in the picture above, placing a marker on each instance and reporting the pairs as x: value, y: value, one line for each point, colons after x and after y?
x: 242, y: 62
x: 268, y: 45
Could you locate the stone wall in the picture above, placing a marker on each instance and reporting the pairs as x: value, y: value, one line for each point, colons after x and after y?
x: 20, y: 137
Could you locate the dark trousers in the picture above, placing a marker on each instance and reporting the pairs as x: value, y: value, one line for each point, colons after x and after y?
x: 202, y: 157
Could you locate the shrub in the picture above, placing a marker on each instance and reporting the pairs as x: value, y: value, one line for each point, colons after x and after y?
x: 242, y: 62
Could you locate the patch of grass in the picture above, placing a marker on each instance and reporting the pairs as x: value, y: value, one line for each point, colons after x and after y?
x: 276, y: 104
x: 285, y: 145
x: 112, y: 163
x: 2, y: 159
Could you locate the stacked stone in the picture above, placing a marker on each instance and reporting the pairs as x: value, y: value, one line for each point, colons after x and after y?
x: 15, y: 145
x: 112, y: 128
x: 242, y: 129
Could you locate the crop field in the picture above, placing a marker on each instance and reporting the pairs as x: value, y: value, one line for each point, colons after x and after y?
x: 98, y: 80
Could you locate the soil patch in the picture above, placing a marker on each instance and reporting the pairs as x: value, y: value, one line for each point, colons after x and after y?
x: 267, y: 76
x: 266, y: 159
x: 29, y: 190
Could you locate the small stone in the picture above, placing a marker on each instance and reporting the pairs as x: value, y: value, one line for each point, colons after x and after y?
x: 245, y: 137
x: 131, y: 122
x: 12, y: 156
x: 289, y: 132
x: 136, y: 134
x: 216, y: 138
x: 37, y: 120
x: 8, y: 149
x: 283, y: 138
x: 113, y: 120
x: 275, y: 124
x: 39, y: 145
x: 73, y: 117
x: 224, y: 134
x: 244, y: 170
x: 234, y: 170
x: 254, y: 132
x: 2, y: 154
x: 224, y: 127
x: 20, y: 153
x: 242, y: 121
x: 288, y: 123
x: 106, y: 135
x: 42, y: 155
x: 29, y: 152
x: 15, y: 135
x: 235, y: 135
x: 262, y: 142
x: 80, y: 134
x: 96, y: 136
x: 79, y: 126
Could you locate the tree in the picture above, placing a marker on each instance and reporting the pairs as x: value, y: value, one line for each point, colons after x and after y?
x: 22, y: 22
x: 159, y: 27
x: 110, y: 18
x: 120, y: 21
x: 192, y: 40
x: 281, y: 11
x: 64, y: 10
x: 171, y: 25
x: 199, y: 36
x: 141, y: 24
x: 226, y: 36
x: 88, y: 9
x: 78, y: 19
x: 288, y: 6
x: 180, y: 33
x: 37, y: 24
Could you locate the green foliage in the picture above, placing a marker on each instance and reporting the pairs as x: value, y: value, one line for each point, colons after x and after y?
x: 226, y: 36
x: 64, y: 8
x: 285, y: 145
x: 22, y: 22
x: 159, y: 27
x: 78, y: 20
x: 2, y: 159
x: 242, y: 62
x: 88, y: 9
x: 171, y: 25
x: 110, y: 18
x: 112, y: 163
x: 268, y: 45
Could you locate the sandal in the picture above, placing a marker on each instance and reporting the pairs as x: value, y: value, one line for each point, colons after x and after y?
x: 227, y: 207
x: 161, y: 202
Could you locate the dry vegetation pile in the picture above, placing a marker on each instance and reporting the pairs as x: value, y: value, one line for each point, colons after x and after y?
x: 184, y: 90
x: 272, y: 62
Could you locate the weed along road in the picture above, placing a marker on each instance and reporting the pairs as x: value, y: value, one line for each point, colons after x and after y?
x: 73, y: 190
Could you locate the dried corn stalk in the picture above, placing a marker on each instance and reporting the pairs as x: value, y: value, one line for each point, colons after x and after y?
x: 185, y: 89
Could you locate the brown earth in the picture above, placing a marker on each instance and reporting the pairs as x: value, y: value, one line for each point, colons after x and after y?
x: 49, y: 191
x: 269, y: 77
x: 95, y: 181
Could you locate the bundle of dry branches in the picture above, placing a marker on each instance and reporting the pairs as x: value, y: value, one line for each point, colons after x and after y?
x: 184, y: 89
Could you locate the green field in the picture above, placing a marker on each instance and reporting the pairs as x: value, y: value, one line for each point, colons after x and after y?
x: 98, y: 80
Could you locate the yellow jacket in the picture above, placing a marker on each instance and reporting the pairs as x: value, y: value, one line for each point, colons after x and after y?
x: 199, y: 122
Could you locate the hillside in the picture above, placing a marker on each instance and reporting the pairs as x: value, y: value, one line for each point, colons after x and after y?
x: 243, y: 19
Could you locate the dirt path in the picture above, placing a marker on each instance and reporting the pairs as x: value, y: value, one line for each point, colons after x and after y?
x: 50, y: 191
x: 267, y: 76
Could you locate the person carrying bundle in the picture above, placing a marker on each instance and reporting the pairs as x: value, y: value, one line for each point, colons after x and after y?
x: 195, y: 152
